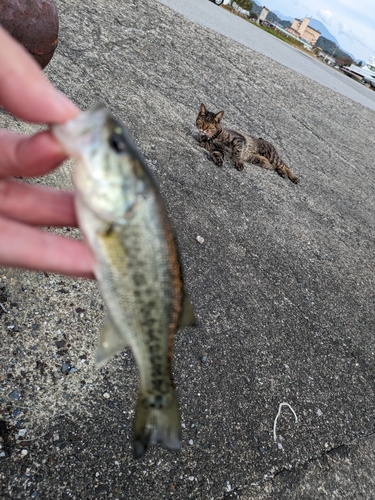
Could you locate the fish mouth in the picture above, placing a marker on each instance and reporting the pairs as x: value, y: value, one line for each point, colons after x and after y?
x: 83, y: 132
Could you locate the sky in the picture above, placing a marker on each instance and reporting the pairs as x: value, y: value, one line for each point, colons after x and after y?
x: 351, y: 22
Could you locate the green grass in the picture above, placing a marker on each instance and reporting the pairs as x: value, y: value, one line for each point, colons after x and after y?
x: 282, y: 37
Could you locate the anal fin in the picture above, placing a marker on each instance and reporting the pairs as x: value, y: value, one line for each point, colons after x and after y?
x: 110, y: 343
x: 187, y: 317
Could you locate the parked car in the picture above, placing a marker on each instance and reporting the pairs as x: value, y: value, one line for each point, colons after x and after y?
x: 217, y: 2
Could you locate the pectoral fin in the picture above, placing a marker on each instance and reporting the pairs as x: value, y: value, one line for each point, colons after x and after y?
x: 187, y: 317
x: 109, y: 344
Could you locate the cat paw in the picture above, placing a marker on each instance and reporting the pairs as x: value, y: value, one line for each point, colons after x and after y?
x: 295, y: 180
x: 218, y: 160
x: 239, y: 166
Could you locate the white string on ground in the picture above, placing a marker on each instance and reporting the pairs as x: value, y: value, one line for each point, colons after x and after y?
x: 277, y: 416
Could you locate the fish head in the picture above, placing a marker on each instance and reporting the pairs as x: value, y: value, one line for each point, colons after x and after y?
x: 110, y: 175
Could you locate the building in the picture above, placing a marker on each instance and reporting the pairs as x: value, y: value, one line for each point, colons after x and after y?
x: 263, y: 15
x: 301, y: 29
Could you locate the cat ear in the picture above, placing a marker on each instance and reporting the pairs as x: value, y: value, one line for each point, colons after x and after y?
x: 218, y: 117
x: 202, y: 109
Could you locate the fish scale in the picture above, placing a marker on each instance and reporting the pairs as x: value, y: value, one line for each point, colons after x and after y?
x: 145, y: 297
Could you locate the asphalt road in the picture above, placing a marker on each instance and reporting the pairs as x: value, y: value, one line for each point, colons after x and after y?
x: 283, y: 284
x: 220, y: 20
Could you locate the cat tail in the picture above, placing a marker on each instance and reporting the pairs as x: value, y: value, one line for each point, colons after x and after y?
x: 157, y: 420
x: 283, y: 170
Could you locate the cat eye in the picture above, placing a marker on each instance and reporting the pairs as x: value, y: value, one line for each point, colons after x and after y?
x: 117, y: 143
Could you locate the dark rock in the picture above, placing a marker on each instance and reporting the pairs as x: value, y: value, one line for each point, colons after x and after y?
x: 60, y: 343
x: 34, y: 24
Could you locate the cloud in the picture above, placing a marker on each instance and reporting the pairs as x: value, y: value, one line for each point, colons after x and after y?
x: 325, y: 15
x: 353, y: 37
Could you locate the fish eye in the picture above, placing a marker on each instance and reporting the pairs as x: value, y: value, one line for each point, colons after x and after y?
x: 117, y: 143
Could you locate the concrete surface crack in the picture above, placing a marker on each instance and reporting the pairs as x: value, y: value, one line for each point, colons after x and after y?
x: 308, y: 128
x: 337, y: 452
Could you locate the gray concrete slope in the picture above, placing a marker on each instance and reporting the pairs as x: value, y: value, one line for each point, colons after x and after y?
x: 283, y: 284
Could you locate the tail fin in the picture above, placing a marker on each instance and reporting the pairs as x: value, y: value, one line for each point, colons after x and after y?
x: 157, y: 420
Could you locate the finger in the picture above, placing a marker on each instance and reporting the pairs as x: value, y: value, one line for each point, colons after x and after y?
x: 28, y: 156
x: 30, y: 248
x: 37, y: 205
x: 25, y: 91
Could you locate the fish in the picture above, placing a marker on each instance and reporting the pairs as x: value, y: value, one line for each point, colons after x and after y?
x: 137, y: 265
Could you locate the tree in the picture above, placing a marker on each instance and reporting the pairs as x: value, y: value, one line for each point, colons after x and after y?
x: 243, y: 4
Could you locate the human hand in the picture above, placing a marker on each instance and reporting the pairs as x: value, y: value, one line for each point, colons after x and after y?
x: 27, y: 94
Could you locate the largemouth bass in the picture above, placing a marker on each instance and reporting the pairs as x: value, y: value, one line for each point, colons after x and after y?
x: 124, y: 222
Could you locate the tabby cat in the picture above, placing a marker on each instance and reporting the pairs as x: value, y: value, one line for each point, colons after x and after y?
x: 218, y: 141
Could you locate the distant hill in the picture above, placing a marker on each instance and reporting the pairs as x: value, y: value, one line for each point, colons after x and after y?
x: 317, y: 25
x: 286, y: 24
x: 331, y: 48
x: 282, y: 17
x: 273, y: 18
x: 326, y: 34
